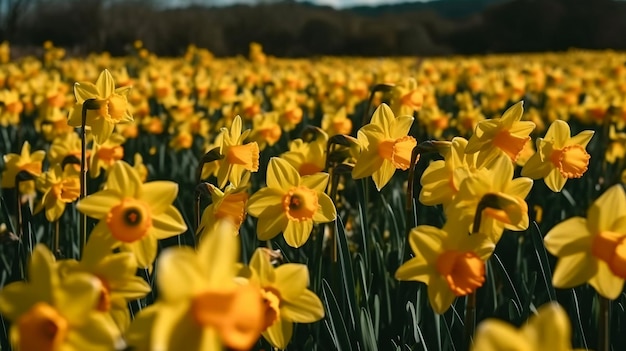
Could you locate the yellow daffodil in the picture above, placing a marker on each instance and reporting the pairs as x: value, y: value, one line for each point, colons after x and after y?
x: 12, y: 108
x: 117, y: 275
x: 113, y: 106
x: 506, y: 135
x: 104, y: 155
x: 509, y: 211
x: 592, y: 250
x: 442, y: 178
x: 287, y: 299
x: 290, y: 203
x: 59, y: 187
x: 67, y: 145
x: 448, y: 260
x: 308, y: 157
x: 337, y: 123
x: 54, y: 314
x: 25, y: 161
x: 229, y: 204
x: 238, y: 157
x: 385, y: 146
x: 200, y: 306
x: 406, y: 98
x: 140, y: 167
x: 135, y: 214
x: 549, y: 329
x: 266, y: 130
x: 559, y: 156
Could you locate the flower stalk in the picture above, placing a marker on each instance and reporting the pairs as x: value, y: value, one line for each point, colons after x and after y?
x: 89, y: 104
x: 604, y: 325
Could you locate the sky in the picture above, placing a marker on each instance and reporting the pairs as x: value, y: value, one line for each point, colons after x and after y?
x: 338, y: 4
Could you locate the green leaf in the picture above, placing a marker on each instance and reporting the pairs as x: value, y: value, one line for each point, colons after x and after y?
x: 335, y: 323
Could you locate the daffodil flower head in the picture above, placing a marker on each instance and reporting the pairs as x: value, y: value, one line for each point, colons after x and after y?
x: 287, y: 299
x: 51, y: 314
x: 25, y: 161
x: 559, y: 156
x: 448, y: 260
x: 592, y: 250
x: 116, y: 273
x: 59, y: 187
x: 290, y: 203
x: 110, y: 106
x: 201, y: 305
x: 308, y: 157
x: 505, y: 135
x: 238, y: 157
x: 385, y: 146
x: 442, y: 178
x: 229, y: 204
x: 134, y: 213
x: 549, y: 329
x: 506, y: 208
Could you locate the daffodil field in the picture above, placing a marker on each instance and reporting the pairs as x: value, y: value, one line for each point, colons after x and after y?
x: 260, y: 203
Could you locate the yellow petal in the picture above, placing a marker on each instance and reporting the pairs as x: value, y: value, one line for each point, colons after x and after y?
x: 262, y: 267
x: 305, y: 308
x: 263, y: 199
x: 555, y: 181
x: 401, y: 126
x: 606, y: 283
x: 218, y: 252
x: 270, y: 225
x: 180, y: 276
x: 159, y: 195
x: 440, y: 295
x: 124, y: 179
x: 512, y: 114
x: 384, y: 174
x: 139, y: 333
x: 145, y: 251
x: 496, y: 335
x: 99, y: 204
x: 425, y: 241
x: 583, y: 138
x: 279, y: 333
x: 384, y: 118
x: 549, y: 329
x: 105, y: 84
x: 281, y: 175
x: 317, y: 182
x: 569, y: 237
x: 559, y: 133
x: 417, y: 269
x: 574, y: 270
x: 605, y: 211
x: 85, y: 91
x: 168, y: 223
x: 535, y: 168
x: 98, y: 333
x: 291, y: 279
x: 18, y: 297
x: 326, y: 212
x: 297, y: 232
x: 101, y: 129
x: 41, y: 273
x: 78, y: 297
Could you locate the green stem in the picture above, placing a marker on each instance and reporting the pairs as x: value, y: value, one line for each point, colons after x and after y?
x: 83, y: 176
x: 604, y: 325
x: 470, y: 319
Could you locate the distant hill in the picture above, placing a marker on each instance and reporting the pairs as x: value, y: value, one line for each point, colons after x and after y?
x: 296, y: 29
x: 451, y: 9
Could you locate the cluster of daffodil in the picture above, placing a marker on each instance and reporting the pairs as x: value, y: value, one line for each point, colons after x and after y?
x: 243, y: 115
